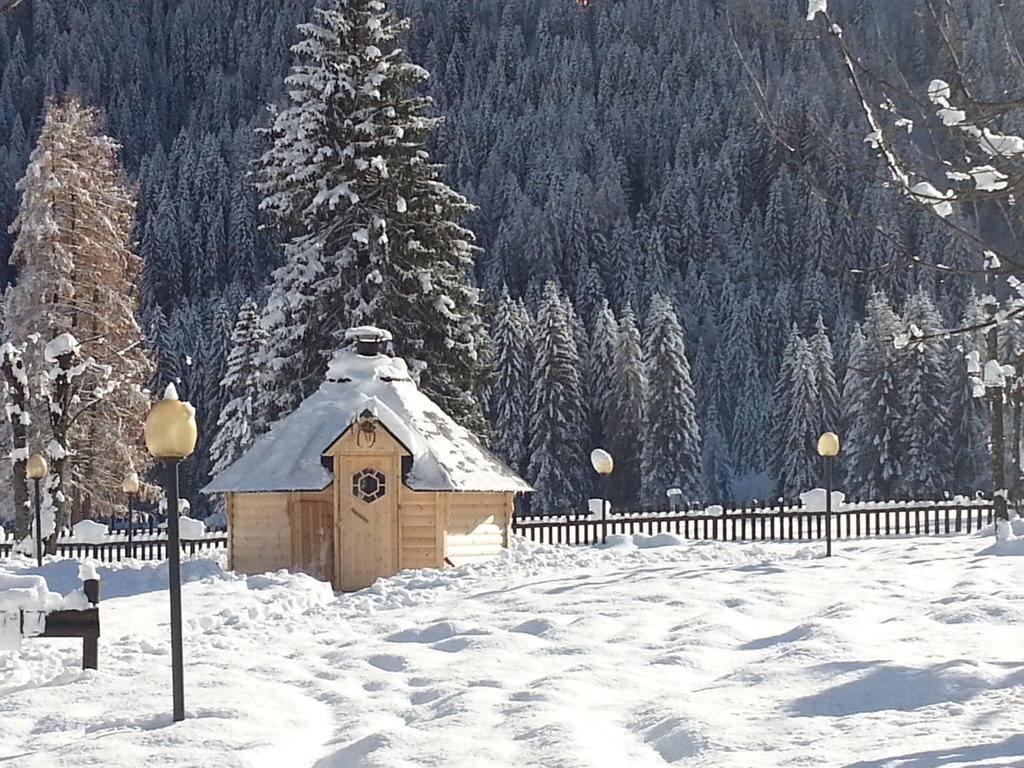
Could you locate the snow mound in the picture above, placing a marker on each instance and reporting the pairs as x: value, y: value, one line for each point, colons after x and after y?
x: 89, y: 532
x: 814, y: 500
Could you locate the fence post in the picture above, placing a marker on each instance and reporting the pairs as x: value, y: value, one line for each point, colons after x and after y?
x: 90, y: 643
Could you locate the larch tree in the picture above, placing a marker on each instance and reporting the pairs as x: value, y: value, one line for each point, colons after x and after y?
x: 557, y: 419
x: 671, y: 453
x: 373, y: 234
x: 76, y: 279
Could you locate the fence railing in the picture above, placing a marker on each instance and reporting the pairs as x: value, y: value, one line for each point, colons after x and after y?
x: 786, y: 523
x: 149, y: 542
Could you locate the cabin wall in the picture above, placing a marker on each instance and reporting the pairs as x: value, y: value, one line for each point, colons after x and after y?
x: 259, y: 532
x: 476, y: 525
x: 420, y: 529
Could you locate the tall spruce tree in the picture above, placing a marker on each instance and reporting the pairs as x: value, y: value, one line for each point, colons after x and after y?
x: 600, y: 372
x: 825, y: 374
x: 969, y: 428
x: 626, y: 418
x: 373, y: 235
x: 801, y: 425
x: 557, y: 423
x: 671, y: 454
x: 238, y: 424
x: 873, y: 406
x: 509, y: 395
x: 924, y: 377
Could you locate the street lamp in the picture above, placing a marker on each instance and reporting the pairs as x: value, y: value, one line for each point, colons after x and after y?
x: 828, y: 449
x: 36, y: 469
x: 171, y: 436
x: 603, y: 464
x: 130, y: 486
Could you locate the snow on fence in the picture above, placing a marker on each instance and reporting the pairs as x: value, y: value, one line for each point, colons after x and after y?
x: 782, y: 522
x: 149, y: 542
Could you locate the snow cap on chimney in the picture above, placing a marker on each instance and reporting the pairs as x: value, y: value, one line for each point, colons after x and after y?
x: 368, y: 339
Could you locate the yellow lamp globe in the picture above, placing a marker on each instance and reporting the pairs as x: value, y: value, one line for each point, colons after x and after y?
x: 828, y: 445
x: 131, y: 483
x: 602, y: 461
x: 171, y: 430
x: 36, y: 467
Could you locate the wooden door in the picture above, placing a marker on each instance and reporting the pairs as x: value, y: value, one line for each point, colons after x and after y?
x: 368, y: 518
x: 312, y: 523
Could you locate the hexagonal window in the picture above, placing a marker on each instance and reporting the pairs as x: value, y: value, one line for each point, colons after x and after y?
x: 368, y: 485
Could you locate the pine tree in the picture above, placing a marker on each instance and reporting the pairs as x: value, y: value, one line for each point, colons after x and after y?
x: 238, y: 424
x: 556, y: 466
x: 925, y: 383
x: 798, y: 460
x: 969, y: 419
x: 625, y: 426
x: 76, y: 275
x: 509, y: 401
x: 671, y: 454
x: 373, y: 234
x: 825, y: 375
x: 873, y: 406
x: 715, y: 460
x: 600, y: 372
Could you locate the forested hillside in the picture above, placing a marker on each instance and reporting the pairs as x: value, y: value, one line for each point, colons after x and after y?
x: 615, y: 156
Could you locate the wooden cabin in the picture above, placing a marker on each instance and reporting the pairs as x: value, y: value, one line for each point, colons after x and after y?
x: 367, y: 477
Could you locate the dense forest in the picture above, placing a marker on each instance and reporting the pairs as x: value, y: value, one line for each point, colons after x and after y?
x: 640, y: 233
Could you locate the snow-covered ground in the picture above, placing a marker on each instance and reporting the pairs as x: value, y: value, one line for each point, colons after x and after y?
x: 902, y: 653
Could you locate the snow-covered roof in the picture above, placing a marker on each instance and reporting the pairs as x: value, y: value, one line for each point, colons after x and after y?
x: 445, y: 455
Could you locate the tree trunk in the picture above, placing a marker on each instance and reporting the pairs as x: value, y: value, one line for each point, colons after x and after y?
x: 996, y: 394
x: 13, y: 367
x: 57, y: 485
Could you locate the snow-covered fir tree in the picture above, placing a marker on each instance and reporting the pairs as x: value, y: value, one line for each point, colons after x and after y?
x: 373, y: 235
x: 671, y: 454
x: 825, y: 375
x: 923, y: 374
x: 626, y: 421
x: 238, y: 424
x: 801, y: 420
x: 600, y: 372
x: 873, y: 405
x: 969, y: 422
x: 557, y: 419
x: 509, y: 395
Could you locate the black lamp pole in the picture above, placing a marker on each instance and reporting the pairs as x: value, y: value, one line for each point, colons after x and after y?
x: 174, y: 576
x: 828, y: 506
x: 39, y: 524
x: 131, y: 527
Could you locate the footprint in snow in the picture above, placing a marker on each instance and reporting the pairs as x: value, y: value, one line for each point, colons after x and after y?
x: 388, y: 662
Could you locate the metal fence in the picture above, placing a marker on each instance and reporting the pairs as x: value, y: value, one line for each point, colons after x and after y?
x: 149, y: 542
x: 764, y: 523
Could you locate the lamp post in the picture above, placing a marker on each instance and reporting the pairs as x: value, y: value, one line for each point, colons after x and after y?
x: 130, y: 486
x: 603, y: 464
x: 828, y: 449
x: 171, y: 436
x: 36, y: 469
